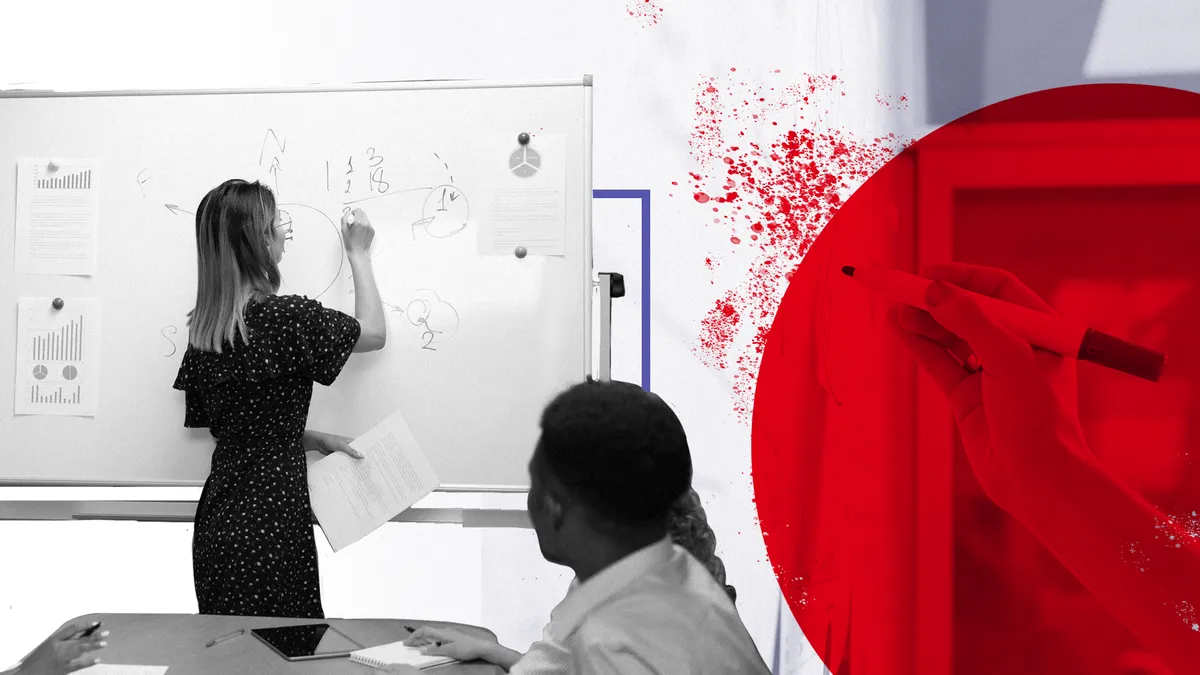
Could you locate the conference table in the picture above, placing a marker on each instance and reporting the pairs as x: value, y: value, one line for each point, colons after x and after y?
x: 178, y: 641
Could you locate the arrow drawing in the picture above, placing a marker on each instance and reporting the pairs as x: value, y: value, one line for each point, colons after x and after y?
x: 176, y: 210
x: 274, y: 171
x: 445, y: 164
x: 263, y: 150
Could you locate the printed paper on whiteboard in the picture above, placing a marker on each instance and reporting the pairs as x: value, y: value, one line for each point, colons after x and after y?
x: 58, y: 356
x: 57, y: 213
x: 354, y: 497
x: 526, y: 203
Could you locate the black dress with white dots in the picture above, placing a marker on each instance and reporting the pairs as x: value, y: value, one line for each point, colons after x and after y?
x: 253, y: 550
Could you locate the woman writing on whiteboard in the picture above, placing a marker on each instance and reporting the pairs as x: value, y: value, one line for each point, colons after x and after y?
x: 248, y: 371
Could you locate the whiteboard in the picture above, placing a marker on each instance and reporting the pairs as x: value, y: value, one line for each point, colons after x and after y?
x: 477, y: 344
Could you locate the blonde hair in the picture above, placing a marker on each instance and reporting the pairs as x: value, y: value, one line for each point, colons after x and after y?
x: 235, y: 262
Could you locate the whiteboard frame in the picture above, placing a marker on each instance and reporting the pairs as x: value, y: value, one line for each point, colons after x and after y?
x: 590, y: 279
x: 398, y: 85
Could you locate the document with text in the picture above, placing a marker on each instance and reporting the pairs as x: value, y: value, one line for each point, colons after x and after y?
x: 354, y: 497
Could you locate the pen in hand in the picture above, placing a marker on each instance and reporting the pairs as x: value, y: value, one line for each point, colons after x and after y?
x: 217, y: 641
x: 427, y: 641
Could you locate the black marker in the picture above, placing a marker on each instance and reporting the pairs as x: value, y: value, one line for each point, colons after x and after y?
x: 1049, y: 332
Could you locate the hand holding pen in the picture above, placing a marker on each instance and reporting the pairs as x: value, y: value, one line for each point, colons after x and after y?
x: 67, y: 650
x: 1018, y: 420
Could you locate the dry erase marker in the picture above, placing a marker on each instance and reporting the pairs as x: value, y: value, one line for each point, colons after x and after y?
x: 217, y: 641
x: 1051, y: 333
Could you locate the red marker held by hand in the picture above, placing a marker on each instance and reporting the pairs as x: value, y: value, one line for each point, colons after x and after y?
x: 1045, y: 331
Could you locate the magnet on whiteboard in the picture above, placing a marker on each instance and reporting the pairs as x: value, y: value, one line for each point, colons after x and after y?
x: 58, y: 303
x: 523, y: 138
x: 521, y: 252
x: 55, y: 163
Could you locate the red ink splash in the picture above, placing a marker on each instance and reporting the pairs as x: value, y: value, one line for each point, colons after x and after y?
x: 778, y: 195
x: 712, y: 264
x: 892, y: 102
x: 647, y: 12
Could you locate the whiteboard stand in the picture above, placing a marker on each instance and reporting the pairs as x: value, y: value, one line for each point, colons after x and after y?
x: 611, y: 285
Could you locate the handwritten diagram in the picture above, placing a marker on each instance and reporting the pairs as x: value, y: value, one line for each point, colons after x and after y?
x: 167, y: 332
x: 277, y: 150
x: 313, y: 260
x: 445, y: 213
x: 312, y: 196
x: 430, y: 317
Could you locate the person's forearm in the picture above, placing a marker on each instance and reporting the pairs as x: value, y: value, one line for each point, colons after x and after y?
x: 308, y: 441
x: 503, y: 656
x: 368, y: 308
x: 1124, y: 551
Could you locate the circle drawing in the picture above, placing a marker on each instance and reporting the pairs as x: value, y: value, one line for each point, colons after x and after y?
x: 445, y: 212
x: 313, y: 256
x: 430, y: 317
x: 70, y: 372
x: 39, y: 372
x: 524, y: 162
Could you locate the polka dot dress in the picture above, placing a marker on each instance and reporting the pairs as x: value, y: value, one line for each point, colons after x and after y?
x: 253, y: 551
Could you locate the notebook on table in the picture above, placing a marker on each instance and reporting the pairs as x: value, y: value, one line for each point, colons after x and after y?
x: 397, y: 653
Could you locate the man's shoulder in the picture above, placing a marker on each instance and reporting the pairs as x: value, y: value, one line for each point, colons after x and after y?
x: 672, y: 632
x: 658, y: 614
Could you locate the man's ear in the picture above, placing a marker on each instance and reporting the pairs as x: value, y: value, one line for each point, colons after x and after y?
x: 556, y: 508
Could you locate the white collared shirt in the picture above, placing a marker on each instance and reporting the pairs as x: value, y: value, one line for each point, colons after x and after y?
x: 657, y: 611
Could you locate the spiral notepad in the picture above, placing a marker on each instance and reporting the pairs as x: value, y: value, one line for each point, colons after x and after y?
x: 397, y: 653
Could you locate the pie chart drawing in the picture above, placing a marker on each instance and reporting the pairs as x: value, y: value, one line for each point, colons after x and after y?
x: 39, y: 372
x: 70, y: 372
x: 524, y: 162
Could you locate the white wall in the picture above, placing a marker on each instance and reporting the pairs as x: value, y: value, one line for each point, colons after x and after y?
x: 647, y: 75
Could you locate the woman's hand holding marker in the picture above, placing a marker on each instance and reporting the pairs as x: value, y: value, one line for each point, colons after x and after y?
x: 1019, y: 425
x: 357, y: 232
x: 1023, y: 400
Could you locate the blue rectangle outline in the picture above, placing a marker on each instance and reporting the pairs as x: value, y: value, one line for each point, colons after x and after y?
x: 644, y: 196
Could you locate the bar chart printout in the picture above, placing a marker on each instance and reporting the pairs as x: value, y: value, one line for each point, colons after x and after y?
x: 57, y: 215
x: 57, y: 357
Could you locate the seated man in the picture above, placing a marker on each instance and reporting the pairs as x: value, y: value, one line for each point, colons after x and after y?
x: 611, y: 463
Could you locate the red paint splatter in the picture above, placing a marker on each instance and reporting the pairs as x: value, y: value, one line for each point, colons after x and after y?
x: 778, y: 194
x: 892, y: 102
x: 647, y: 12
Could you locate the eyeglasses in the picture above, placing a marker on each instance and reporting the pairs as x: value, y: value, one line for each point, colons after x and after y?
x: 286, y: 226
